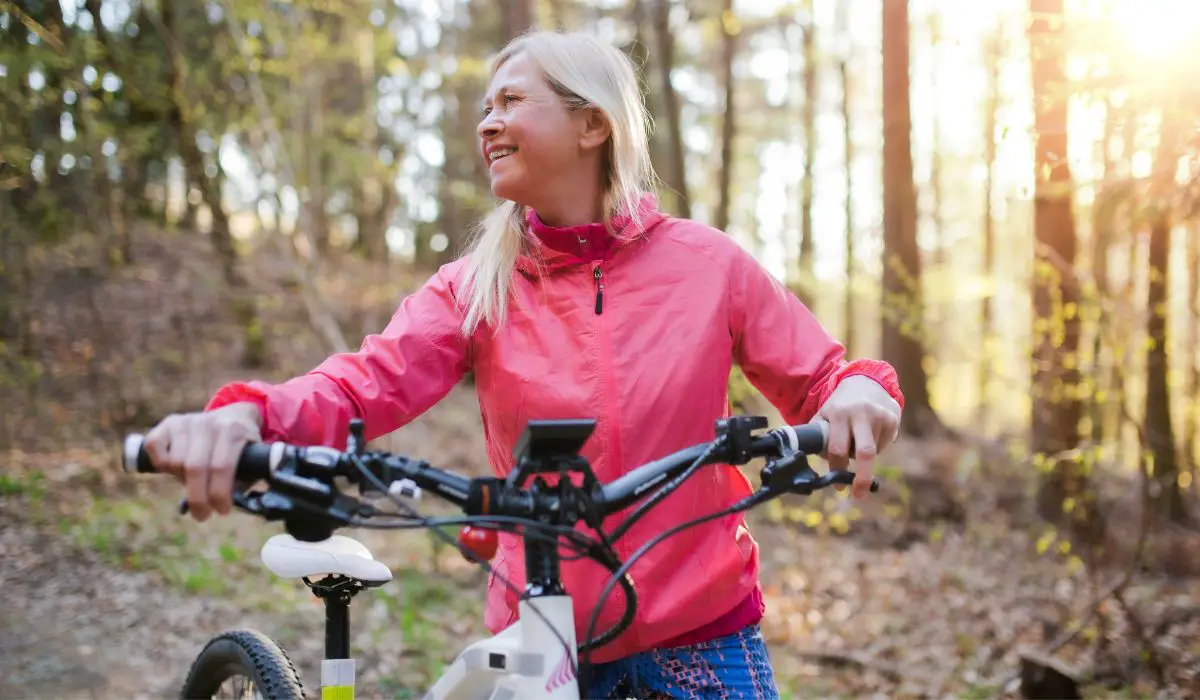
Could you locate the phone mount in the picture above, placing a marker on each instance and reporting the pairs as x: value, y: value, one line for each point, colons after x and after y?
x: 552, y: 447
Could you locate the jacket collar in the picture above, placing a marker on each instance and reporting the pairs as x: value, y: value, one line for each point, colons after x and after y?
x: 538, y: 258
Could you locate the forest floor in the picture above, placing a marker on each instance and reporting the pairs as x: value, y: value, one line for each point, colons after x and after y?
x: 936, y: 587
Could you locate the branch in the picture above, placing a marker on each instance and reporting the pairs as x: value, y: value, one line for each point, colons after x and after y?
x: 1072, y: 631
x: 1139, y: 631
x: 318, y: 312
x: 32, y: 25
x: 1114, y: 589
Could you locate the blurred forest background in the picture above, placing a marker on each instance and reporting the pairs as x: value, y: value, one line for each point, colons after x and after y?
x: 1000, y: 197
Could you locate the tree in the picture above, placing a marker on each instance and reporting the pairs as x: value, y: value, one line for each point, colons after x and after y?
x: 172, y: 27
x: 1192, y: 424
x: 992, y: 53
x: 848, y: 339
x: 729, y: 32
x: 902, y: 313
x: 676, y: 174
x: 1157, y: 420
x: 808, y: 119
x: 1057, y: 407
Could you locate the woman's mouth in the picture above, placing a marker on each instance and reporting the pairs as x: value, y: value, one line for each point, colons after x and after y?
x: 499, y: 153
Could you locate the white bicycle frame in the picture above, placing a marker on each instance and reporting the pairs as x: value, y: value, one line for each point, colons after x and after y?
x: 526, y: 661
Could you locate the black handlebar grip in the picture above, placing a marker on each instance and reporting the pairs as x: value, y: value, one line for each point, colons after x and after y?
x: 254, y: 464
x: 134, y: 458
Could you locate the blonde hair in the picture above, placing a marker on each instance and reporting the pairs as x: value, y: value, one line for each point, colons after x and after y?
x: 586, y: 73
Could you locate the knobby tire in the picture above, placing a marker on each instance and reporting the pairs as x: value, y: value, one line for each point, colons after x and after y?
x: 243, y: 653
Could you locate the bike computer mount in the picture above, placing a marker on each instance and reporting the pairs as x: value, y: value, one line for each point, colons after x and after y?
x: 552, y: 447
x: 736, y: 431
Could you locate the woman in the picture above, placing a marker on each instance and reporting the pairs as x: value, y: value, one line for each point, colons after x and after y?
x: 580, y: 298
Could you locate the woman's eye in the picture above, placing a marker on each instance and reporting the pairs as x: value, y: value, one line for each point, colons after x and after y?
x: 508, y: 99
x: 487, y: 111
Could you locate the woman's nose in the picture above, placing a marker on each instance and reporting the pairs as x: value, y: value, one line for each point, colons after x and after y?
x: 490, y: 127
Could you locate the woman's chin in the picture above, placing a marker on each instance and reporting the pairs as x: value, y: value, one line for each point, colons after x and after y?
x: 503, y: 188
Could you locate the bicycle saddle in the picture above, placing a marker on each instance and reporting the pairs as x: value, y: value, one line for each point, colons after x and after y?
x: 287, y: 557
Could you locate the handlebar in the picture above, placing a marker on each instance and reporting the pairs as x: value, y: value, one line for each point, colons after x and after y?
x: 489, y: 496
x: 302, y: 492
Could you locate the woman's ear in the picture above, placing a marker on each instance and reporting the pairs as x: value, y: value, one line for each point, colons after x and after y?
x: 596, y: 129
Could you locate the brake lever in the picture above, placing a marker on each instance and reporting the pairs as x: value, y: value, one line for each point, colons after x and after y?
x: 793, y: 474
x: 239, y: 501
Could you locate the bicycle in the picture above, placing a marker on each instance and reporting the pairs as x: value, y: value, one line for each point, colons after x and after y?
x: 537, y: 656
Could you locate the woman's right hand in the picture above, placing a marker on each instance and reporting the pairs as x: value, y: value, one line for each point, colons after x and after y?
x: 202, y: 450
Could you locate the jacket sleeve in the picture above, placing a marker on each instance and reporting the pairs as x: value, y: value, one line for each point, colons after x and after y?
x: 394, y: 376
x: 784, y: 351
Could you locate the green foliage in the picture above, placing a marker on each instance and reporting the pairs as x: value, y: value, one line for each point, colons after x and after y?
x: 741, y: 390
x: 31, y: 485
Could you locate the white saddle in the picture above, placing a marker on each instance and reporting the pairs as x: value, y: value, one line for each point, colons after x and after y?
x: 287, y: 557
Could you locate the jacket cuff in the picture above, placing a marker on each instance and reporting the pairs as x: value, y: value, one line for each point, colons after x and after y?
x: 242, y: 392
x: 881, y: 372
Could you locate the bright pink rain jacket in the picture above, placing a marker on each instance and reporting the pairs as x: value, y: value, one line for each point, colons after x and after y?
x: 681, y: 303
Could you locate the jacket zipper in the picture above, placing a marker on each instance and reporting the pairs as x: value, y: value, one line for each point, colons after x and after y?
x: 622, y: 546
x: 599, y: 277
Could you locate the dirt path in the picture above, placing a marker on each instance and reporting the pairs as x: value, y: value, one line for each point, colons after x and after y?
x: 76, y: 627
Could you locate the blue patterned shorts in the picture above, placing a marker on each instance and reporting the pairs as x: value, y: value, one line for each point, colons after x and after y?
x: 735, y: 666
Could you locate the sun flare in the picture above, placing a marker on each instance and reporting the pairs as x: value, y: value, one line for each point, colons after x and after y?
x: 1157, y: 30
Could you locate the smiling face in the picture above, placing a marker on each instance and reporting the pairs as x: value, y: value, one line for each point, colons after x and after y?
x: 535, y: 147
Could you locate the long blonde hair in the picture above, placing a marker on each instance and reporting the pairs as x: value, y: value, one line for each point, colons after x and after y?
x: 586, y: 73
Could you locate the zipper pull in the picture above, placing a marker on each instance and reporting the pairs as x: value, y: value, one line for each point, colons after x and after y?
x: 596, y: 273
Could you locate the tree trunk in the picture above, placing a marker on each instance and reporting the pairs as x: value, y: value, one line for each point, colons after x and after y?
x: 244, y: 309
x: 724, y: 177
x: 1122, y: 334
x: 1191, y: 449
x: 518, y: 17
x: 1057, y: 408
x: 935, y: 153
x: 639, y: 51
x: 1157, y: 420
x: 902, y: 313
x: 375, y: 195
x: 676, y: 175
x: 809, y: 119
x: 1104, y: 222
x: 987, y: 355
x: 375, y: 201
x: 848, y: 326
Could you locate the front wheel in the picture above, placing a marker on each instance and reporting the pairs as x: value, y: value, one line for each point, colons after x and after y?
x: 242, y: 664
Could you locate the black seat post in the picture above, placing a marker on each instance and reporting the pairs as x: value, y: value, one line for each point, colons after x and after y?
x: 337, y: 626
x: 336, y: 591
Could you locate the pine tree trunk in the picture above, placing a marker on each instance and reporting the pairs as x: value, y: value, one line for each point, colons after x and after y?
x: 987, y: 354
x: 1157, y: 420
x: 903, y: 317
x: 724, y: 177
x: 1057, y: 408
x: 676, y: 175
x: 807, y: 185
x: 254, y: 352
x: 1191, y: 449
x: 518, y: 17
x: 848, y: 326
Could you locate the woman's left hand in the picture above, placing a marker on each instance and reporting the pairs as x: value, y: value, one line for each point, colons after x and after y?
x: 863, y: 421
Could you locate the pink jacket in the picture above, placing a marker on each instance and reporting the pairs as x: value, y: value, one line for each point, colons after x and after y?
x: 681, y: 303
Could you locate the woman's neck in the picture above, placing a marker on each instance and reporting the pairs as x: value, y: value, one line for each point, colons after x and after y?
x: 565, y: 214
x: 577, y: 200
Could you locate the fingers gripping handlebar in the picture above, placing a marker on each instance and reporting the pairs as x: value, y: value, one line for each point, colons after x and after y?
x: 301, y: 488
